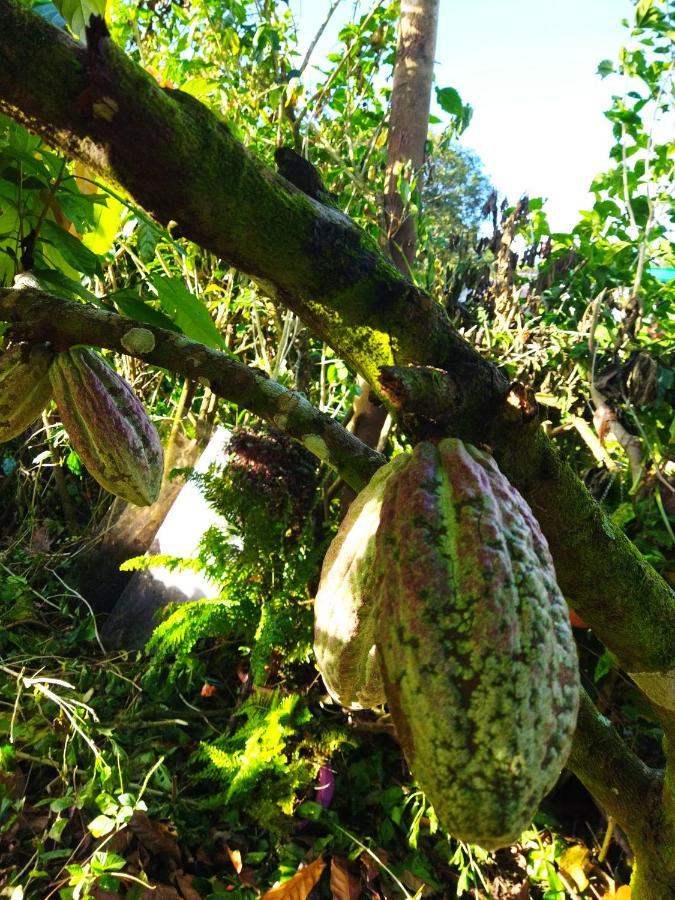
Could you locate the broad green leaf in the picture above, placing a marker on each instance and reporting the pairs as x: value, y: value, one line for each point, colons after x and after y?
x: 450, y: 101
x: 101, y: 825
x: 642, y: 12
x: 78, y: 12
x: 50, y: 13
x: 187, y: 311
x: 59, y: 284
x: 108, y: 220
x: 131, y: 305
x: 605, y: 68
x: 71, y: 249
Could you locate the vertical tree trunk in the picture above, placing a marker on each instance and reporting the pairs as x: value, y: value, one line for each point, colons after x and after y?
x: 408, y: 126
x: 409, y: 121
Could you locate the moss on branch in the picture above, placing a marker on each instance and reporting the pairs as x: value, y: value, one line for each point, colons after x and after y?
x: 312, y: 258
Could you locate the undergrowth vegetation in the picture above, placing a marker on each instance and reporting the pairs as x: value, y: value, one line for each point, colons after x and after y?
x: 214, y: 764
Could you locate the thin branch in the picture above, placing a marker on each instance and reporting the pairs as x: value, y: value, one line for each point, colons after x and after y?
x: 41, y: 317
x: 317, y: 37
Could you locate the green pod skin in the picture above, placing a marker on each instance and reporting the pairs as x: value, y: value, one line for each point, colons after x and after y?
x: 25, y: 389
x: 345, y: 614
x: 479, y: 663
x: 108, y: 426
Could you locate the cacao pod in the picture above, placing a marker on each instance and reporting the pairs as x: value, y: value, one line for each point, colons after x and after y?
x: 345, y: 615
x: 108, y: 426
x: 478, y: 659
x: 24, y: 388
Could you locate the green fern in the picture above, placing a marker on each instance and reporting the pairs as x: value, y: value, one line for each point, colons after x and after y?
x: 263, y: 560
x: 270, y: 761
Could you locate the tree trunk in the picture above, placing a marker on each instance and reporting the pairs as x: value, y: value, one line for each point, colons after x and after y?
x: 408, y: 126
x: 408, y: 123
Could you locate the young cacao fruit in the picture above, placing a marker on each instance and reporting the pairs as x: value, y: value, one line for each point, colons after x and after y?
x: 477, y: 654
x: 24, y: 388
x: 345, y: 615
x: 108, y: 426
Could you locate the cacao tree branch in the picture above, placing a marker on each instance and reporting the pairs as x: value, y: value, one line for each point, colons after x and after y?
x: 640, y: 799
x: 97, y: 105
x: 43, y: 318
x: 622, y: 783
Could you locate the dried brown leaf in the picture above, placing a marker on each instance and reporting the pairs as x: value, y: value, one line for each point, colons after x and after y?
x: 154, y: 836
x: 575, y: 863
x: 184, y: 883
x: 344, y: 884
x: 160, y: 892
x: 299, y: 886
x: 235, y: 859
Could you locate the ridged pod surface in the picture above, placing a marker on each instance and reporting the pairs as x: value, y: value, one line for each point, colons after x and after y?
x: 108, y: 426
x: 479, y: 664
x: 24, y: 388
x: 345, y: 615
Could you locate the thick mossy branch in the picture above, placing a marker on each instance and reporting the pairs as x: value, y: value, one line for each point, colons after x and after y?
x: 640, y: 799
x: 182, y: 164
x: 61, y: 323
x: 594, y: 559
x: 627, y: 788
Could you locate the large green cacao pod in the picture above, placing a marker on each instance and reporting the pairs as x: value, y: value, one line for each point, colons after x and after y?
x: 24, y: 388
x: 478, y: 660
x: 345, y: 614
x: 108, y: 426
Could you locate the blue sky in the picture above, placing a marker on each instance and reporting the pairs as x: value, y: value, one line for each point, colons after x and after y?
x: 528, y: 68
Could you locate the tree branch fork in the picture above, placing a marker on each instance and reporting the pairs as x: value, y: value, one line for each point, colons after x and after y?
x: 321, y: 265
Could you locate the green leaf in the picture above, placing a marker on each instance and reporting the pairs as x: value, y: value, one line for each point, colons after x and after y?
x: 187, y: 311
x: 643, y: 11
x: 605, y: 68
x: 131, y: 305
x: 101, y: 825
x: 71, y: 249
x: 107, y: 222
x: 604, y: 665
x: 450, y: 101
x: 77, y: 13
x: 105, y: 862
x: 61, y: 285
x: 57, y: 828
x: 148, y: 236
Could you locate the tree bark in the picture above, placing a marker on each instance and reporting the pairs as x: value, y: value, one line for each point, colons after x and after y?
x: 93, y: 103
x: 408, y: 127
x: 99, y: 106
x: 409, y: 123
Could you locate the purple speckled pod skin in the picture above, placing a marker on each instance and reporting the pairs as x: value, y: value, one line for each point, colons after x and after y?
x: 478, y: 659
x: 108, y: 426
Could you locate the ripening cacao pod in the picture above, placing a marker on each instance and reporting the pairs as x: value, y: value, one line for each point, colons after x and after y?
x: 345, y: 615
x: 477, y: 654
x: 108, y: 426
x: 24, y: 388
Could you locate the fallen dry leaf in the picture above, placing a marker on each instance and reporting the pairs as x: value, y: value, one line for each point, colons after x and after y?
x: 235, y: 859
x: 574, y: 863
x: 299, y: 886
x: 160, y: 892
x: 184, y: 883
x: 344, y: 884
x: 154, y: 836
